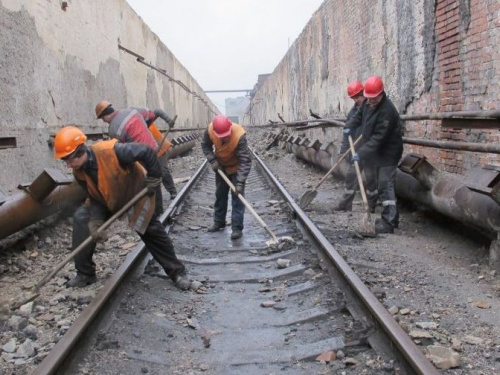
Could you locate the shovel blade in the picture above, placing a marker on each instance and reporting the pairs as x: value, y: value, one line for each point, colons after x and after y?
x: 367, y: 227
x: 307, y: 198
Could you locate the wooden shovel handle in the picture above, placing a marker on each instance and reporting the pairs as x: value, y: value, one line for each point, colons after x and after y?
x: 103, y: 227
x: 247, y: 205
x: 342, y: 157
x: 360, y: 179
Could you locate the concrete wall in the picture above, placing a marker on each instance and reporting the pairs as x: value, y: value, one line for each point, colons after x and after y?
x: 56, y: 64
x: 434, y: 56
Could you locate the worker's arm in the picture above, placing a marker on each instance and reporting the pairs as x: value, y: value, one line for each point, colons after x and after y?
x: 128, y: 153
x: 244, y: 160
x: 207, y: 147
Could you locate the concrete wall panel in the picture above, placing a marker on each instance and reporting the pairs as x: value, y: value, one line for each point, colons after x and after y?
x: 57, y: 64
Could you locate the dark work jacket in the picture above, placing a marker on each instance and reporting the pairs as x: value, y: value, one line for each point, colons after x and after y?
x: 382, y: 133
x: 345, y: 140
x: 242, y: 154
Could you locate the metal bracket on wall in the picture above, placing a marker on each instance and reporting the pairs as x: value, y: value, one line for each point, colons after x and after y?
x: 485, y: 180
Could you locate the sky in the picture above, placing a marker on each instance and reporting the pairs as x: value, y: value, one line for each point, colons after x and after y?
x: 226, y: 44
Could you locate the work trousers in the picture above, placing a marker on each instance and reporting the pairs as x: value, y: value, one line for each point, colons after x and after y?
x: 351, y: 186
x: 383, y: 179
x: 220, y: 207
x: 155, y: 238
x: 168, y: 183
x: 166, y: 176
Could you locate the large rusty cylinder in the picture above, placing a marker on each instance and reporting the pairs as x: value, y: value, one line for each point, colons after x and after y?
x: 22, y: 210
x: 324, y: 158
x: 424, y: 184
x: 452, y: 198
x: 181, y: 148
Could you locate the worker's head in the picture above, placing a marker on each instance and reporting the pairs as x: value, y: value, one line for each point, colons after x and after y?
x: 374, y: 90
x: 69, y: 146
x: 222, y: 127
x: 355, y: 92
x: 103, y: 109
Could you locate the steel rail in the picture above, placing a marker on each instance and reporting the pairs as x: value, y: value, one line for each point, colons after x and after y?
x: 411, y: 353
x: 65, y: 345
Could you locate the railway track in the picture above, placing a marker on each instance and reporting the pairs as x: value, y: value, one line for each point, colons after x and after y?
x: 256, y: 310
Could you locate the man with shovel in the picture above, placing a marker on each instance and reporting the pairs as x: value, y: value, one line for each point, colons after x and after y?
x: 355, y: 92
x: 225, y: 146
x: 112, y: 174
x: 382, y: 148
x: 137, y: 125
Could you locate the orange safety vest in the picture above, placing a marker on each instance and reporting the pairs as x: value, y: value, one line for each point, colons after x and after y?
x: 166, y: 145
x: 116, y: 185
x: 226, y: 153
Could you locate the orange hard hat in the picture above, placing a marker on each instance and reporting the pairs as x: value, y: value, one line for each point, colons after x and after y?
x: 222, y: 126
x: 373, y: 87
x: 67, y: 141
x: 100, y: 107
x: 354, y: 88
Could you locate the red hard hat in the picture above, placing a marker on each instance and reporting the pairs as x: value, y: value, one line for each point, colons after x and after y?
x: 222, y: 126
x: 373, y: 87
x: 354, y: 88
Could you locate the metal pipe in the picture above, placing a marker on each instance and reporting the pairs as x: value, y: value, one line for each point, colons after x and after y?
x: 452, y: 198
x: 446, y: 115
x: 22, y: 210
x: 455, y: 145
x: 437, y: 190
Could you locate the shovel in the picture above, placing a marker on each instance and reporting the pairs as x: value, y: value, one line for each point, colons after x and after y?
x: 309, y: 195
x: 367, y: 228
x: 75, y: 252
x: 247, y: 205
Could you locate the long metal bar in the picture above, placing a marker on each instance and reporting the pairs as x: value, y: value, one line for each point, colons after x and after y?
x: 215, y: 91
x: 399, y: 337
x: 22, y: 209
x: 492, y: 148
x: 445, y: 115
x: 63, y: 348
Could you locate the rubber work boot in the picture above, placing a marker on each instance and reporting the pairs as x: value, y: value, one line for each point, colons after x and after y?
x: 342, y: 207
x: 173, y: 195
x: 182, y: 282
x: 81, y: 280
x: 383, y: 227
x: 216, y: 227
x: 237, y: 233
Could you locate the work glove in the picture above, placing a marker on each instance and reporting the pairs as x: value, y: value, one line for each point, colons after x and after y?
x: 152, y: 184
x: 94, y: 226
x: 355, y: 158
x: 239, y: 188
x: 215, y: 165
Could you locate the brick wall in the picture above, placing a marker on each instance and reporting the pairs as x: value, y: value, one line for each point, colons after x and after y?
x: 434, y: 56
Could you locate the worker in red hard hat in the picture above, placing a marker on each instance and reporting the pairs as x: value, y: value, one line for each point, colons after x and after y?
x: 355, y: 92
x: 225, y: 147
x: 382, y: 148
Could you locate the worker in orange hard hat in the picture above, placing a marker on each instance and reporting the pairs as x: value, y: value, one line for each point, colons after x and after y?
x: 132, y: 125
x: 355, y: 92
x: 225, y: 146
x: 381, y: 149
x: 113, y: 173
